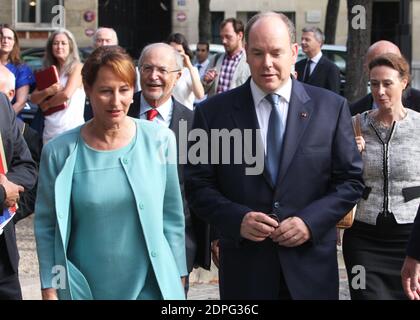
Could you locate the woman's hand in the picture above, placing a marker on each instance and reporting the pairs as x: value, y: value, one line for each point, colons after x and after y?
x: 52, y: 90
x: 186, y: 60
x: 40, y: 96
x: 45, y: 105
x: 49, y: 294
x: 361, y: 145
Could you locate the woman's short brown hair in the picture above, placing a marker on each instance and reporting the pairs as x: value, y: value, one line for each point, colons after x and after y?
x: 392, y: 61
x: 113, y: 57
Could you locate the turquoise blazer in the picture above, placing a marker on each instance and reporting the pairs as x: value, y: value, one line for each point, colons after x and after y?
x: 151, y: 169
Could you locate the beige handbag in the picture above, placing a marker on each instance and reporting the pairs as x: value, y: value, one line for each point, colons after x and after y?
x: 348, y: 219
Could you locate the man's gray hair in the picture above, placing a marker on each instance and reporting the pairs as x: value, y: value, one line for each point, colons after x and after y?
x: 289, y: 24
x: 318, y: 34
x: 114, y: 34
x: 176, y: 55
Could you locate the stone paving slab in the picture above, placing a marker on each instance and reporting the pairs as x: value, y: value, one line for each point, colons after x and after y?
x: 204, y: 284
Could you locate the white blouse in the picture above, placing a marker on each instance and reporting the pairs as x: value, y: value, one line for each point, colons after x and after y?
x: 68, y: 118
x: 183, y: 91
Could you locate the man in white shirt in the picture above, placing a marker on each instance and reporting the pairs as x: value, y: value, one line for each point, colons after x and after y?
x: 202, y: 62
x: 202, y: 57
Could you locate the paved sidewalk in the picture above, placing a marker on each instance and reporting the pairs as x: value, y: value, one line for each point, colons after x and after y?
x: 207, y: 287
x: 204, y: 284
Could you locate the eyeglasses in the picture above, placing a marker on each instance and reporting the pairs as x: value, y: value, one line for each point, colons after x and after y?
x: 148, y: 69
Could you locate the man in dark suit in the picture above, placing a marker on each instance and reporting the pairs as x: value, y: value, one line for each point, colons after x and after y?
x: 276, y: 219
x: 410, y: 273
x: 33, y: 140
x: 317, y: 70
x: 21, y: 175
x: 160, y: 67
x: 411, y: 97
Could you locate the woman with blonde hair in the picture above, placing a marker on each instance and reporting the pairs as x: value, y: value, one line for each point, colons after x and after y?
x: 62, y: 52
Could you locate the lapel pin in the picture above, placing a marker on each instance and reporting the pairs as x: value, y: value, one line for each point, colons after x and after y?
x: 303, y: 114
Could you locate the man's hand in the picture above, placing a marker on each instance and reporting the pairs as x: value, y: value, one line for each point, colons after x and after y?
x: 410, y: 278
x: 215, y: 252
x: 12, y: 191
x: 257, y: 226
x: 210, y: 75
x: 292, y: 232
x: 49, y: 294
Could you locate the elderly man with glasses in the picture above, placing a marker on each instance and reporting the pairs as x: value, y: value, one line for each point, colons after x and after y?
x: 160, y: 67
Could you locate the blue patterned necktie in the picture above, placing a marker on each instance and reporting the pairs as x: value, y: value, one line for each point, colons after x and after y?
x: 274, y: 137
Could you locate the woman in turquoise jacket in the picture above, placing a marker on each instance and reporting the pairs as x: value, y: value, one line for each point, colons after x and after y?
x: 109, y: 218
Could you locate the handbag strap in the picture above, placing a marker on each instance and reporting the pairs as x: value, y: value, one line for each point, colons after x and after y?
x: 356, y: 125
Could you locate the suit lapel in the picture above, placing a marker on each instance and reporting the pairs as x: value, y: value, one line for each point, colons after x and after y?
x: 245, y: 117
x: 177, y: 115
x: 299, y: 115
x: 134, y: 110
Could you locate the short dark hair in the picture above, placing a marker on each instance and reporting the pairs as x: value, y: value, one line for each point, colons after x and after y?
x: 204, y: 43
x: 289, y: 24
x: 113, y: 57
x: 392, y: 61
x: 179, y: 38
x: 318, y: 34
x: 237, y: 24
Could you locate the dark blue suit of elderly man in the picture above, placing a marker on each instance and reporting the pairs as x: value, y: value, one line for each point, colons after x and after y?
x: 277, y: 228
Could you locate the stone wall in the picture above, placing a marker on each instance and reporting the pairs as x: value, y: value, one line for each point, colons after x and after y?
x: 75, y: 21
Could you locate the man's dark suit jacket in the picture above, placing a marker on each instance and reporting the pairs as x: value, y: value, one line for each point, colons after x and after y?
x: 180, y: 113
x: 325, y: 75
x: 22, y: 171
x: 320, y: 179
x: 27, y: 199
x: 413, y: 249
x: 410, y: 99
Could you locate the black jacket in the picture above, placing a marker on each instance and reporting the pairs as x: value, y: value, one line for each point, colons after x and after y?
x: 27, y: 199
x: 325, y: 75
x: 21, y: 170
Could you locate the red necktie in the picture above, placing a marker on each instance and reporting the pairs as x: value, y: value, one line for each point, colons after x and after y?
x: 151, y: 114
